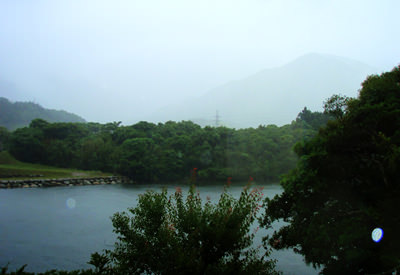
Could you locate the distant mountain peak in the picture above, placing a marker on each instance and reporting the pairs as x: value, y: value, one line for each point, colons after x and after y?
x: 321, y: 58
x: 277, y: 95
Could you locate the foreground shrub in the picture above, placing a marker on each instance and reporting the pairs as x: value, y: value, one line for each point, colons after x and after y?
x: 167, y: 234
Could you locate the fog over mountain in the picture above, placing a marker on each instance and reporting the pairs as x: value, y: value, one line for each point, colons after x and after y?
x: 15, y: 115
x: 273, y: 96
x: 125, y: 60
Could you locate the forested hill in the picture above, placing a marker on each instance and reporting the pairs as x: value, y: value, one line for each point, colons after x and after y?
x: 14, y: 115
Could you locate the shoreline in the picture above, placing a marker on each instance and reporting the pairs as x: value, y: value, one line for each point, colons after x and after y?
x: 36, y: 183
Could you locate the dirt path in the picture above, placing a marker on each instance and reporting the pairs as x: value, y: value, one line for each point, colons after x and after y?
x: 80, y: 174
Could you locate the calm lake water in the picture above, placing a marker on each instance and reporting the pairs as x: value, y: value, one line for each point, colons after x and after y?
x: 60, y: 227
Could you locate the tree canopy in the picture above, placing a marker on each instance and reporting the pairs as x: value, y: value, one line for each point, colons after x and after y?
x: 346, y: 183
x: 164, y: 152
x: 170, y: 234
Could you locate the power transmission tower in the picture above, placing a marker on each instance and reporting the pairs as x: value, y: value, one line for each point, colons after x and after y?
x: 217, y: 117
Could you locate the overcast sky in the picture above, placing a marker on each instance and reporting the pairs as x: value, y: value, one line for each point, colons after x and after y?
x: 120, y: 60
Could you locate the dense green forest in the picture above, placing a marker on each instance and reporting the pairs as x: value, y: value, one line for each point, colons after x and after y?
x: 346, y: 184
x: 14, y: 115
x: 149, y: 152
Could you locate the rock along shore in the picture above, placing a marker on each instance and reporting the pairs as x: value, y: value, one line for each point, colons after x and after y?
x: 33, y: 183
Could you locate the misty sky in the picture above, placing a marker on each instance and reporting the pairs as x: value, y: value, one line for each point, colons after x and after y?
x: 120, y: 60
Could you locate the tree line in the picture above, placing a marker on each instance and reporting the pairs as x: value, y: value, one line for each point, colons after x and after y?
x: 164, y: 152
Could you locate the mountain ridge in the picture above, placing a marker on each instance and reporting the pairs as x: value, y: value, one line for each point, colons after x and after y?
x: 274, y: 95
x: 18, y: 114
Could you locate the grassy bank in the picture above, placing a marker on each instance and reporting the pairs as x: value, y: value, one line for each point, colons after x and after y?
x: 10, y: 168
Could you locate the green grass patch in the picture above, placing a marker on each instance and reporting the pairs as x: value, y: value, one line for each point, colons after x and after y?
x: 6, y: 158
x: 10, y: 168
